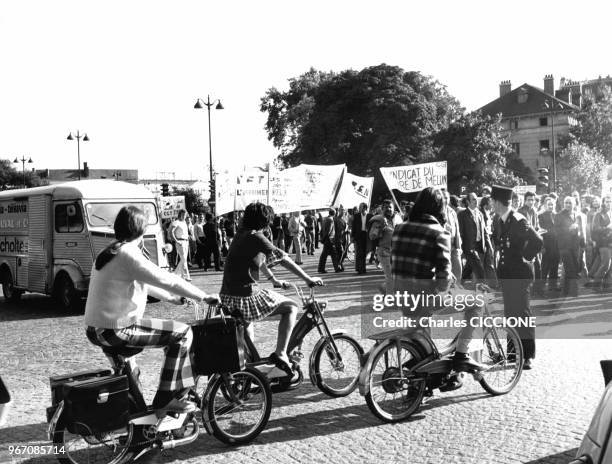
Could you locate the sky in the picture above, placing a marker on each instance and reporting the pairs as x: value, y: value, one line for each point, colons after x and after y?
x: 128, y: 73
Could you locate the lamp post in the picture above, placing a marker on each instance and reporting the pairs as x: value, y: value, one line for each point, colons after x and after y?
x: 199, y: 104
x: 23, y: 162
x: 78, y: 138
x: 550, y: 105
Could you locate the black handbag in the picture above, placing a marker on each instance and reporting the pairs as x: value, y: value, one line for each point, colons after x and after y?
x: 218, y: 345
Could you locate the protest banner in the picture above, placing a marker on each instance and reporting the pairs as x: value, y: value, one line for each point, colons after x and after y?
x: 225, y: 192
x: 354, y: 190
x: 305, y: 187
x: 416, y: 177
x: 251, y: 185
x: 523, y: 189
x: 169, y: 207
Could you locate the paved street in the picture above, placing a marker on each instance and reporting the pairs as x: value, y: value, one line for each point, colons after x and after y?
x: 541, y: 421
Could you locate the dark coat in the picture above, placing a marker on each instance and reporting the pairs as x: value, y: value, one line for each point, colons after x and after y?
x: 519, y: 244
x: 567, y: 238
x: 468, y: 230
x: 547, y: 222
x: 356, y: 228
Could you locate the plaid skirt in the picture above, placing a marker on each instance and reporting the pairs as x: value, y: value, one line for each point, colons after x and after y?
x: 254, y: 307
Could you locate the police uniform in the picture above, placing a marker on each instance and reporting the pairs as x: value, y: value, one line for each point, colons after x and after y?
x: 518, y: 244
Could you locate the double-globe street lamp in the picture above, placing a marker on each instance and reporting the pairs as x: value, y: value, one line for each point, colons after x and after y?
x: 199, y: 104
x: 78, y: 138
x: 23, y: 162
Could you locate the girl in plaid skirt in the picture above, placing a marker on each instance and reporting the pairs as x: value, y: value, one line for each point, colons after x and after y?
x: 251, y: 250
x: 120, y: 282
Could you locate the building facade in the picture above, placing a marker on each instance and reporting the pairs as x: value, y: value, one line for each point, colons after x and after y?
x: 536, y: 119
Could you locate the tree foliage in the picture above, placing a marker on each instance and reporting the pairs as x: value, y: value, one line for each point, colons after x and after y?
x: 579, y: 167
x: 478, y: 152
x: 289, y: 111
x: 11, y: 178
x: 194, y: 203
x: 379, y: 116
x: 385, y: 116
x: 594, y: 127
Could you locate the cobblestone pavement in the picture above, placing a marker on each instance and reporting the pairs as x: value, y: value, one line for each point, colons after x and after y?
x: 541, y: 421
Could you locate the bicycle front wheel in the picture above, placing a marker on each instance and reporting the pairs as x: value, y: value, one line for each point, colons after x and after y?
x: 394, y: 391
x: 337, y: 370
x: 238, y: 406
x: 503, y: 355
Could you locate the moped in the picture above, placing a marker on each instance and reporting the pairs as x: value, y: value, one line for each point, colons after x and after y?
x: 405, y: 365
x: 334, y: 362
x: 100, y: 427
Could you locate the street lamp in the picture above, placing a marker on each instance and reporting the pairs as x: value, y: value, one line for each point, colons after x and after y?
x: 199, y: 104
x: 78, y: 138
x: 23, y: 162
x: 551, y: 105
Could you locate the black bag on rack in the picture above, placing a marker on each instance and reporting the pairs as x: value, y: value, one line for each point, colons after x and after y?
x: 218, y: 345
x: 96, y: 405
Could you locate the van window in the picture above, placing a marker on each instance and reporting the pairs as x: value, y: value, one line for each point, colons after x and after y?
x: 104, y: 214
x: 68, y: 218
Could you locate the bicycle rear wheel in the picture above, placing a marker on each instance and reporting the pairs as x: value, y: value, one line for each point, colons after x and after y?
x: 503, y: 355
x: 96, y: 448
x: 394, y: 392
x: 238, y: 409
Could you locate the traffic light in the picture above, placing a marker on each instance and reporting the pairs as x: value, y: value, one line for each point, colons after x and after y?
x: 211, y: 188
x: 165, y: 190
x: 543, y: 178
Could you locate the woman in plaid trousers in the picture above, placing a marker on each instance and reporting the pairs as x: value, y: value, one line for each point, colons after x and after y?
x: 114, y: 314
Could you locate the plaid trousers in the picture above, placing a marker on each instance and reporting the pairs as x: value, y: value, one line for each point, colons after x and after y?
x: 175, y: 337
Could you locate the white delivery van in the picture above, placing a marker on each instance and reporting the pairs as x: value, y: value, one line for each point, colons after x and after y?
x: 50, y: 236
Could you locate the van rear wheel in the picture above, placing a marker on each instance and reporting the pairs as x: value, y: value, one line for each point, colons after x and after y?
x: 8, y: 287
x: 65, y: 293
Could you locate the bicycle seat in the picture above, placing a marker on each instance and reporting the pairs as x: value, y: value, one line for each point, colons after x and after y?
x: 121, y: 351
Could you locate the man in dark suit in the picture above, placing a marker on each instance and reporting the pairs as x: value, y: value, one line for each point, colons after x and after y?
x: 519, y: 243
x: 359, y: 233
x: 472, y: 229
x: 528, y: 210
x: 211, y: 243
x: 328, y: 237
x: 550, y: 255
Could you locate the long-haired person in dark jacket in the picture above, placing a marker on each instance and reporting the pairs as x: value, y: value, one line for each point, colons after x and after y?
x: 421, y: 261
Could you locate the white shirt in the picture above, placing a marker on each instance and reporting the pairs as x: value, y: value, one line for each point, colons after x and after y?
x: 180, y: 230
x: 505, y: 215
x: 364, y: 225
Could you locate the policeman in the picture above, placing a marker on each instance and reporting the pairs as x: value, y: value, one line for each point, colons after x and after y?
x: 518, y: 244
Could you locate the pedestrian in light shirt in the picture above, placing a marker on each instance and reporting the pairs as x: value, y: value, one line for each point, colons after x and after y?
x: 180, y: 235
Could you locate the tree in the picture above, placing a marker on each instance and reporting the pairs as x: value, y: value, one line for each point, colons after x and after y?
x: 194, y: 203
x: 477, y: 152
x: 594, y: 126
x: 289, y: 111
x: 378, y: 116
x: 579, y: 167
x: 10, y: 178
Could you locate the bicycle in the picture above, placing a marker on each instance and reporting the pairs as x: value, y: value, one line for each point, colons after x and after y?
x: 406, y: 365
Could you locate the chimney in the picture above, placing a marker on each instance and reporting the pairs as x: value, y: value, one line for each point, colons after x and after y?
x: 504, y: 88
x: 85, y: 169
x: 549, y: 84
